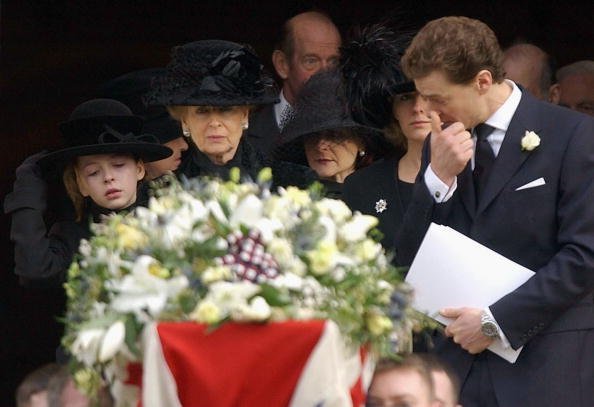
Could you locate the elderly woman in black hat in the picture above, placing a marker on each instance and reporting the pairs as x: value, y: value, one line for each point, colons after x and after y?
x: 381, y: 96
x: 210, y: 87
x: 130, y: 89
x: 322, y: 134
x: 102, y: 165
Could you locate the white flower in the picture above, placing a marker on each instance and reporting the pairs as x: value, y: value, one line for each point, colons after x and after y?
x: 84, y: 247
x: 142, y: 290
x: 530, y: 141
x: 334, y: 208
x: 287, y: 280
x: 229, y: 296
x: 215, y: 209
x: 329, y: 227
x: 248, y: 212
x: 257, y: 310
x: 112, y: 341
x: 162, y: 205
x: 282, y: 251
x: 357, y: 228
x: 297, y: 267
x: 86, y: 345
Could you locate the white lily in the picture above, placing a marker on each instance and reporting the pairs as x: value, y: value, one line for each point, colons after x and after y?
x: 228, y: 296
x: 112, y: 341
x: 140, y: 290
x: 86, y: 345
x: 248, y: 212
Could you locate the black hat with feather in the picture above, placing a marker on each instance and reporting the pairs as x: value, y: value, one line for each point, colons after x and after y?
x: 370, y: 65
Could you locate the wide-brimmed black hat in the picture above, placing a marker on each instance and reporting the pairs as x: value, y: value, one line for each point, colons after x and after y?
x: 213, y: 73
x: 321, y: 105
x: 131, y: 89
x: 370, y: 65
x: 104, y: 126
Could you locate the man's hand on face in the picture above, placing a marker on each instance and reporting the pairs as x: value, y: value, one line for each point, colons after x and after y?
x: 451, y: 149
x: 466, y: 329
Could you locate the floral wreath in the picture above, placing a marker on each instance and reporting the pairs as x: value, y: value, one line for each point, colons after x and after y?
x: 211, y: 251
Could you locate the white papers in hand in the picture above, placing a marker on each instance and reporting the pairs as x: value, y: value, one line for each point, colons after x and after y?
x: 451, y: 270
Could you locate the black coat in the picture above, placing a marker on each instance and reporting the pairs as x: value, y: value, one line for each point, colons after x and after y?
x: 247, y: 159
x: 263, y: 132
x: 43, y: 257
x: 375, y: 190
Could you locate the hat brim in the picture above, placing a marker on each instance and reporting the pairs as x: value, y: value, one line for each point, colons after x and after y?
x: 290, y: 135
x: 146, y: 151
x: 292, y: 149
x: 218, y: 100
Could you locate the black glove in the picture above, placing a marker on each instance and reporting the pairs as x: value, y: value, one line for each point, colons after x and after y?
x: 30, y: 189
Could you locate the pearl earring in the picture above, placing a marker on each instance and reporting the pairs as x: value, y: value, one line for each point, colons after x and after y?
x: 245, y: 125
x: 361, y: 153
x: 186, y: 133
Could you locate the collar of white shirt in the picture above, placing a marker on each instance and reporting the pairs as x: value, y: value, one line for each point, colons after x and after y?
x: 502, y: 117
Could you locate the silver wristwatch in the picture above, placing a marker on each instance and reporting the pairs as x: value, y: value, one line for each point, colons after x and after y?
x: 488, y: 326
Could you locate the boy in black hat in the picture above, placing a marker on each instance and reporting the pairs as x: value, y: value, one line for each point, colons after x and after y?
x: 102, y: 166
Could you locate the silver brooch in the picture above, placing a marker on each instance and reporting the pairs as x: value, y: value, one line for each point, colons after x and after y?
x: 381, y: 206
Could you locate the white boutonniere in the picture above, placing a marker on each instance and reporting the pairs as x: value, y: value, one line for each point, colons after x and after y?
x: 381, y: 206
x: 530, y: 141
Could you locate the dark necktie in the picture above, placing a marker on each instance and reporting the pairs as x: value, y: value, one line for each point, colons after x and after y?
x: 483, y: 158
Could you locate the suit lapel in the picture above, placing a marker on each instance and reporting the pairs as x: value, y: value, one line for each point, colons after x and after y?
x: 510, y: 157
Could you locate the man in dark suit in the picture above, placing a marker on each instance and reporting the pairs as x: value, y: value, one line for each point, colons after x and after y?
x: 525, y: 189
x: 308, y: 43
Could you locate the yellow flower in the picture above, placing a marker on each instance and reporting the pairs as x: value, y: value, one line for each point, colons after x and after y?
x: 157, y: 270
x: 129, y: 237
x: 298, y: 196
x: 87, y: 381
x: 206, y: 312
x: 235, y: 175
x: 73, y: 271
x: 70, y: 291
x: 282, y: 251
x: 265, y: 175
x: 367, y: 250
x: 216, y: 273
x: 379, y: 324
x: 323, y: 258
